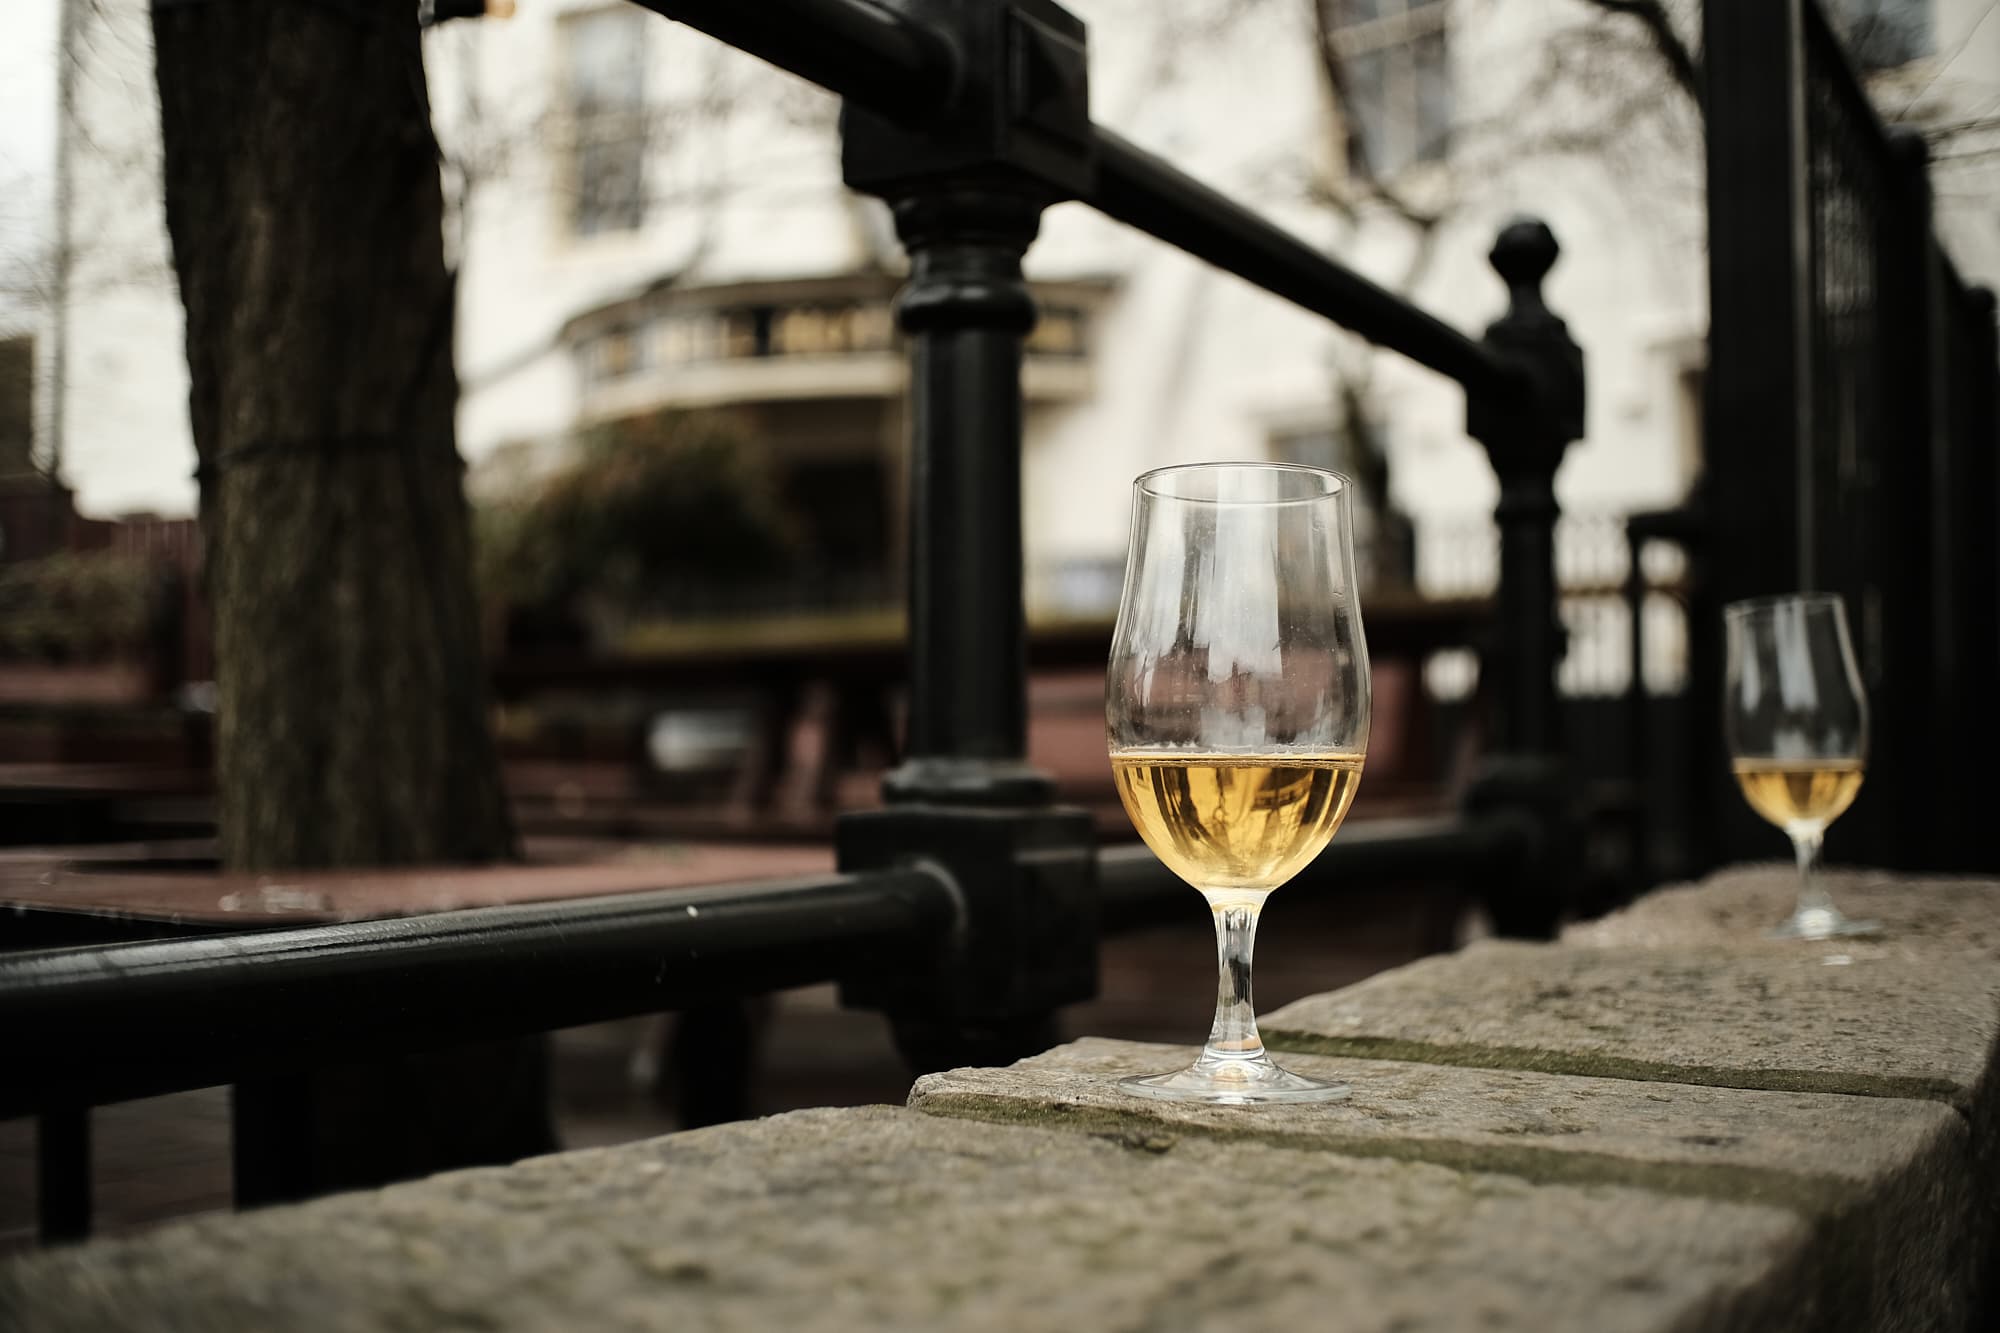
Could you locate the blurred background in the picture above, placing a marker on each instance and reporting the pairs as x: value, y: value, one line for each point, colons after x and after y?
x: 681, y: 412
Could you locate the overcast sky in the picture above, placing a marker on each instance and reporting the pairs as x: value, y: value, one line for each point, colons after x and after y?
x: 27, y: 117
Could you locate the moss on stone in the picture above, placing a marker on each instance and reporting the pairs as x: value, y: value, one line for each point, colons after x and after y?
x: 1808, y: 1195
x: 1845, y: 1082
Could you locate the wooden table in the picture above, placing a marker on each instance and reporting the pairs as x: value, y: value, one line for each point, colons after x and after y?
x: 66, y: 897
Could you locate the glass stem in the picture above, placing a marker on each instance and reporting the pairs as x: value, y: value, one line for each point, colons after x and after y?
x: 1805, y: 848
x: 1233, y: 1037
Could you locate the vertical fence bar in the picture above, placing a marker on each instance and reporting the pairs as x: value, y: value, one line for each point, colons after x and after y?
x: 968, y: 187
x: 1637, y: 750
x: 1758, y: 405
x: 966, y: 310
x: 270, y: 1141
x: 1972, y: 434
x: 1834, y: 332
x: 63, y: 1174
x: 1903, y: 600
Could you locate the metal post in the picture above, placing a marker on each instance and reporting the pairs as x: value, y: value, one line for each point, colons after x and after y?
x: 1651, y: 764
x: 63, y: 1174
x: 1977, y: 392
x: 966, y: 310
x: 271, y: 1141
x: 1902, y: 601
x: 1525, y: 437
x: 1525, y: 434
x: 1637, y: 702
x: 967, y: 190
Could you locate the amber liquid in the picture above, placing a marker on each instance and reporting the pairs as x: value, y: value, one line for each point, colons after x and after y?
x: 1799, y: 793
x: 1227, y: 822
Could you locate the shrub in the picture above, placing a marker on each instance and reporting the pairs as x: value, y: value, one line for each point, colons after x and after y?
x: 644, y: 502
x: 76, y: 604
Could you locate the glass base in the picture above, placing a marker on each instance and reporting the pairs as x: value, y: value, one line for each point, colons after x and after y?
x: 1234, y: 1083
x: 1821, y: 923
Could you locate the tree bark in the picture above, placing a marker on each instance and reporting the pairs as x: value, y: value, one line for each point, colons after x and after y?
x: 305, y: 210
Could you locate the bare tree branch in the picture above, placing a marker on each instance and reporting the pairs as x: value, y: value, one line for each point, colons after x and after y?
x: 1682, y: 62
x: 1326, y: 16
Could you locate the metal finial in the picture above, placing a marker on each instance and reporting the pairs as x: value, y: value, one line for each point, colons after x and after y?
x: 1524, y: 254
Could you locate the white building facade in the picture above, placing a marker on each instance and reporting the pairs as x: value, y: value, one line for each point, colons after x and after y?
x: 644, y: 219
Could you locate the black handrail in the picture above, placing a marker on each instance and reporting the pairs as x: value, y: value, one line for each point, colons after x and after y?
x: 206, y: 1010
x: 876, y: 57
x: 898, y: 65
x: 1135, y: 889
x: 1163, y: 201
x: 197, y: 1012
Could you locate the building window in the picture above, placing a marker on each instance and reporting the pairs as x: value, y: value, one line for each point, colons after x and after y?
x: 1884, y: 34
x: 613, y: 355
x: 1059, y: 332
x: 1395, y: 76
x: 605, y: 87
x: 1317, y: 445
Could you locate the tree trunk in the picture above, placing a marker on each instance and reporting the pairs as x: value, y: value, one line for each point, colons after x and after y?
x: 305, y: 210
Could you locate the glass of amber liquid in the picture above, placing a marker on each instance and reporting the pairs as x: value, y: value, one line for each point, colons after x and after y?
x: 1236, y: 708
x: 1797, y: 723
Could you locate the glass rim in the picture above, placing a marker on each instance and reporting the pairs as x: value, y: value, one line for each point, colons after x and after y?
x: 1340, y: 483
x: 1771, y: 601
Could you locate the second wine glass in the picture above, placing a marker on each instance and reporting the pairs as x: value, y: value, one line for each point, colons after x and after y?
x: 1237, y: 714
x: 1797, y: 724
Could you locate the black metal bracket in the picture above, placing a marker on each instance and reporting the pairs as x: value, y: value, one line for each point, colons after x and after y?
x: 1026, y: 937
x: 1526, y: 898
x: 1019, y: 108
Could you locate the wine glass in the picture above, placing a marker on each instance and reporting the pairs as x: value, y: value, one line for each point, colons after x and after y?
x: 1797, y: 723
x: 1236, y: 708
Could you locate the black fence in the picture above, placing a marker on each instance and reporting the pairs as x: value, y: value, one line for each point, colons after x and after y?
x: 969, y: 909
x: 1851, y: 432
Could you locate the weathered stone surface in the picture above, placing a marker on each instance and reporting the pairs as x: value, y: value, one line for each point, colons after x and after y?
x: 1593, y: 1135
x: 1886, y: 1027
x: 1922, y: 919
x: 878, y: 1218
x: 1879, y: 1026
x: 1886, y: 1180
x: 1810, y: 1151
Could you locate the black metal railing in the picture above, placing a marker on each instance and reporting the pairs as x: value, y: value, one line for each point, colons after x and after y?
x: 969, y: 908
x: 208, y: 1010
x: 1850, y: 440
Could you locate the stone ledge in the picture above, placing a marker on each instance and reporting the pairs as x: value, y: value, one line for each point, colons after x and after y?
x: 1915, y: 1015
x: 1922, y: 919
x: 1712, y: 1134
x: 1884, y: 1028
x: 879, y: 1218
x: 1887, y: 1182
x: 1811, y: 1152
